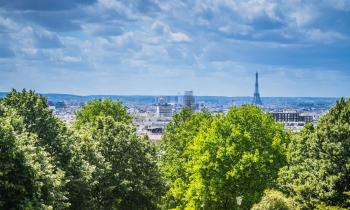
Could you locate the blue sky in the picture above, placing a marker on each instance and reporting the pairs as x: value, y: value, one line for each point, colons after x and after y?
x: 160, y: 47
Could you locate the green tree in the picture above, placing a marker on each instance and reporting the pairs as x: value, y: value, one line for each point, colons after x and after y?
x: 56, y: 139
x: 223, y: 158
x: 238, y: 155
x: 275, y: 200
x: 318, y: 170
x: 178, y: 135
x: 94, y: 109
x: 38, y: 119
x: 81, y: 173
x: 29, y: 178
x: 126, y: 173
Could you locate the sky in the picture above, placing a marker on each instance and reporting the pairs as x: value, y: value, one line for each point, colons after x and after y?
x: 164, y: 47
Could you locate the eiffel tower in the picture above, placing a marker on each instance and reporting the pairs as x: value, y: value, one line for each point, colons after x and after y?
x: 257, y: 99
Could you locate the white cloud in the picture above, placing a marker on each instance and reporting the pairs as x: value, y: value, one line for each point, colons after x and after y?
x: 302, y: 16
x: 7, y: 25
x: 124, y: 39
x: 71, y: 59
x: 325, y: 36
x: 164, y: 29
x: 179, y: 37
x: 237, y: 28
x: 252, y: 9
x: 212, y: 39
x: 102, y: 29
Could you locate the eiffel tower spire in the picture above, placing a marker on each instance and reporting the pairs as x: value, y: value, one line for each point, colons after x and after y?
x: 257, y: 99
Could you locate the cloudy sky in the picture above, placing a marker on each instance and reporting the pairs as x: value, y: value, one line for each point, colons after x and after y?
x: 146, y: 47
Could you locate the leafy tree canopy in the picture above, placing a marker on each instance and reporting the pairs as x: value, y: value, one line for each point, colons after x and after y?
x: 275, y: 200
x: 94, y: 109
x: 178, y: 135
x: 318, y: 170
x: 56, y: 140
x: 223, y: 157
x: 126, y: 170
x: 29, y: 178
x: 38, y: 119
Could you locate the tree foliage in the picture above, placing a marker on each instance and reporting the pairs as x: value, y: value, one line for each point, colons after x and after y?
x: 127, y: 175
x: 318, y: 170
x: 29, y: 178
x: 223, y: 157
x: 101, y: 164
x: 275, y: 200
x: 38, y: 119
x: 179, y: 134
x: 59, y: 142
x: 98, y: 108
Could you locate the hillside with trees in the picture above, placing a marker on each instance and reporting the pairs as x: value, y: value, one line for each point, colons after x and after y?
x: 240, y: 160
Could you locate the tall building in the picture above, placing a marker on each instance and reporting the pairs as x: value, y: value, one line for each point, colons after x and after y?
x: 189, y: 100
x: 164, y: 109
x: 60, y: 105
x: 257, y: 99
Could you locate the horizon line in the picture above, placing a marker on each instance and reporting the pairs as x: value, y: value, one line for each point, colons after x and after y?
x: 159, y: 95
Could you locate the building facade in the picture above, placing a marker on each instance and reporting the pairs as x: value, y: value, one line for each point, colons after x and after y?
x: 189, y: 100
x: 164, y: 109
x: 291, y: 117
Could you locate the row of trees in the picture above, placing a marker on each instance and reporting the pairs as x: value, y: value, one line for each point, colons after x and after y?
x: 98, y: 163
x: 243, y: 158
x: 239, y: 160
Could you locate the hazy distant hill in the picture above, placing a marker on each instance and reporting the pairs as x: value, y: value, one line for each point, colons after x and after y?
x: 136, y: 99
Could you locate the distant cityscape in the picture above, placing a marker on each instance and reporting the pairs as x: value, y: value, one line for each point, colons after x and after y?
x: 153, y: 113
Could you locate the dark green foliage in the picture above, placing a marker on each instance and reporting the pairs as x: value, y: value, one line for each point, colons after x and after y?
x: 57, y: 140
x: 29, y: 178
x: 131, y: 179
x: 318, y: 171
x: 102, y: 164
x: 126, y: 172
x: 38, y: 119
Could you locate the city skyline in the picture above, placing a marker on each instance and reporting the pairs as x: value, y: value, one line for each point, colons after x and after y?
x: 108, y: 47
